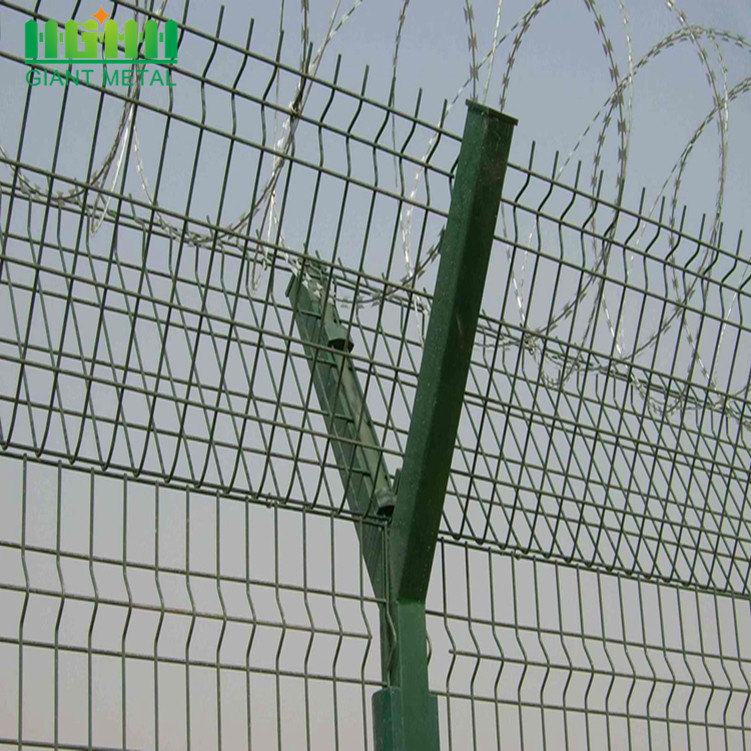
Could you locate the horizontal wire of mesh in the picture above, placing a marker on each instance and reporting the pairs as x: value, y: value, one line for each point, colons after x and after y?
x: 173, y: 508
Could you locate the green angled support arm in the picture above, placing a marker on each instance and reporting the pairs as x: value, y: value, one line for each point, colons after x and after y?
x: 358, y: 454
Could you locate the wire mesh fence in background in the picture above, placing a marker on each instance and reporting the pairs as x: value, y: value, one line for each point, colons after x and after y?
x: 178, y: 566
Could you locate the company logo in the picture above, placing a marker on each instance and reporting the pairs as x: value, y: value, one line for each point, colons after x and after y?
x: 51, y: 39
x: 88, y: 44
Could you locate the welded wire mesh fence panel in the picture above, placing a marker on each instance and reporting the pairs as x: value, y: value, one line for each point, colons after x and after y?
x: 595, y: 557
x: 179, y: 566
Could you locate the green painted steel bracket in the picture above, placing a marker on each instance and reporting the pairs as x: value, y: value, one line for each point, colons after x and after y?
x: 327, y: 344
x: 405, y: 714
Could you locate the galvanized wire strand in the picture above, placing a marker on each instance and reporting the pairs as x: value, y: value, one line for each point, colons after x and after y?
x: 607, y: 45
x: 687, y: 33
x: 283, y: 142
x: 469, y: 19
x: 682, y: 297
x: 524, y: 25
x: 492, y: 53
x: 569, y: 308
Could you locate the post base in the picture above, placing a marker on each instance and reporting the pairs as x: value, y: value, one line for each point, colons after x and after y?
x: 388, y: 726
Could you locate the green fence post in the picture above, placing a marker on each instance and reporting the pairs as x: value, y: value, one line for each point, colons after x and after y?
x: 465, y: 254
